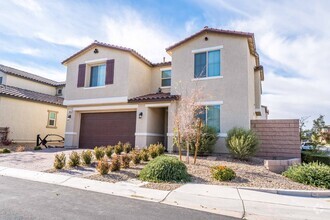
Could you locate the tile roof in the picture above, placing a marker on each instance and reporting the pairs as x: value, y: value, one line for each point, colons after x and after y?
x: 28, y: 94
x: 155, y: 97
x: 30, y: 76
x: 97, y: 43
x: 168, y: 63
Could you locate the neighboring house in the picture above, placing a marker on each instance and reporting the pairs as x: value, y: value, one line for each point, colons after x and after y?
x: 30, y: 105
x: 115, y: 94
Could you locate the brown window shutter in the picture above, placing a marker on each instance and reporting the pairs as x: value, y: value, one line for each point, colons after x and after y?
x: 110, y: 70
x: 81, y: 75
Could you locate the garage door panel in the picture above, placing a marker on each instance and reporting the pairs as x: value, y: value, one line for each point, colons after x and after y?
x: 98, y: 129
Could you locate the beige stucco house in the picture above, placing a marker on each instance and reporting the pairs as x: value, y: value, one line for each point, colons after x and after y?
x: 30, y: 105
x: 115, y: 94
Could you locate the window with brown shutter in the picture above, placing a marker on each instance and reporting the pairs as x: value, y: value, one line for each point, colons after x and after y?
x: 110, y: 72
x: 81, y: 75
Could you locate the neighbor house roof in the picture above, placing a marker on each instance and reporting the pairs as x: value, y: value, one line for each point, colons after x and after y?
x: 30, y: 76
x: 155, y: 97
x: 111, y: 46
x: 30, y: 95
x: 249, y: 36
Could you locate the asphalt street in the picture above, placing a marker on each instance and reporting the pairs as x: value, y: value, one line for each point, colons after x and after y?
x: 23, y: 199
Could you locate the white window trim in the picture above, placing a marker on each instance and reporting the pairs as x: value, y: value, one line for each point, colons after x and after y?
x: 95, y: 87
x: 207, y: 78
x: 212, y: 103
x: 90, y: 66
x: 207, y: 49
x: 165, y: 87
x: 49, y: 119
x: 161, y: 78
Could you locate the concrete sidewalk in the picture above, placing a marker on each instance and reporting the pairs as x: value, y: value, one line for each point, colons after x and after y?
x: 230, y: 201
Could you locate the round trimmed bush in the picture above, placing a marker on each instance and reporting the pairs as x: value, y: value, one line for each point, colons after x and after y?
x: 315, y: 174
x: 165, y: 169
x: 242, y: 143
x: 222, y: 173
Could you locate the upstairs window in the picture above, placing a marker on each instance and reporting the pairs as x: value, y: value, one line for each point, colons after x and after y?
x: 52, y: 116
x: 207, y: 64
x: 97, y: 77
x: 0, y: 80
x: 210, y: 116
x: 166, y: 78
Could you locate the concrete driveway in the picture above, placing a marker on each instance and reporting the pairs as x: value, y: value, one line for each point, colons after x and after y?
x: 33, y: 160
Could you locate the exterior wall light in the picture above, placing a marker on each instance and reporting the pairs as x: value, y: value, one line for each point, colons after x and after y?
x: 140, y: 115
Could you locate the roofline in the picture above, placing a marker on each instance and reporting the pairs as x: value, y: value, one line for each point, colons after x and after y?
x: 55, y: 83
x: 100, y: 44
x: 168, y: 63
x: 248, y: 35
x: 32, y: 100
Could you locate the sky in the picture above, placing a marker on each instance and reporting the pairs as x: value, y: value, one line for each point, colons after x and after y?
x: 292, y: 38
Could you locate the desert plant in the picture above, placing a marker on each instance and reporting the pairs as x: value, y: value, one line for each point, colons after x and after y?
x: 119, y: 148
x: 74, y: 159
x: 160, y: 149
x: 315, y: 174
x: 222, y: 173
x: 311, y: 156
x: 37, y: 148
x: 165, y: 169
x: 208, y: 139
x: 136, y: 158
x: 153, y: 152
x: 4, y: 151
x: 103, y: 166
x: 59, y: 161
x: 127, y: 147
x: 144, y: 154
x: 115, y: 163
x: 87, y: 157
x: 99, y: 153
x: 125, y: 160
x: 108, y: 151
x: 242, y: 143
x: 20, y: 149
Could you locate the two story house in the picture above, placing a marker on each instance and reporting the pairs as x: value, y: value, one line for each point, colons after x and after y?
x: 30, y: 105
x: 115, y: 94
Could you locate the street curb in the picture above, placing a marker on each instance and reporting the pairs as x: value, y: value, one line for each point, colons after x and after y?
x: 288, y: 192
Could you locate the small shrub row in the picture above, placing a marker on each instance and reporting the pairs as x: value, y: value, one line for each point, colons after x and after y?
x: 222, y: 173
x: 156, y: 150
x: 75, y: 159
x: 315, y: 174
x: 309, y: 157
x: 4, y: 151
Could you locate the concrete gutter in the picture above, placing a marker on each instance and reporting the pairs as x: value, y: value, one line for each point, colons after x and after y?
x: 239, y: 202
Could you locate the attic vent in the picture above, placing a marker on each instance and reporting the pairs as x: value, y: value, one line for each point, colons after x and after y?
x: 96, y: 50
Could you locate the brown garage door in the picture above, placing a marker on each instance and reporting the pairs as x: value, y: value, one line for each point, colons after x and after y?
x: 97, y: 129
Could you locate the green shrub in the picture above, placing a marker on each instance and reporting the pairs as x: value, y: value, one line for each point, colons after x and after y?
x: 144, y: 154
x: 309, y: 157
x: 242, y: 143
x: 87, y: 157
x: 59, y: 161
x: 103, y: 166
x: 74, y: 159
x: 153, y: 152
x: 119, y: 148
x: 125, y: 160
x: 115, y: 163
x: 160, y: 149
x: 99, y: 153
x: 314, y: 174
x: 4, y: 151
x: 108, y: 151
x: 127, y: 147
x: 37, y: 148
x: 209, y: 138
x: 222, y: 173
x: 165, y: 169
x: 136, y: 158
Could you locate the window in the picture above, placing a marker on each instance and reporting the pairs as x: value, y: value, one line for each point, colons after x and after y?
x: 0, y: 80
x: 207, y: 64
x: 166, y: 78
x: 52, y: 115
x: 97, y: 75
x: 59, y: 92
x: 210, y: 116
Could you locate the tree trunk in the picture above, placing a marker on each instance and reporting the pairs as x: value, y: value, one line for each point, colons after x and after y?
x: 179, y: 145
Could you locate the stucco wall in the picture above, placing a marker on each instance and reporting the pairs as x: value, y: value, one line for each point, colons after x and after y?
x: 29, y: 85
x: 156, y: 79
x: 26, y: 119
x: 278, y: 138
